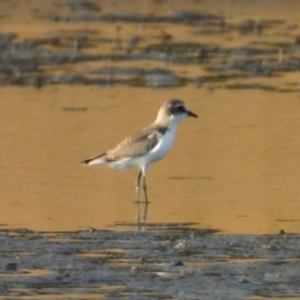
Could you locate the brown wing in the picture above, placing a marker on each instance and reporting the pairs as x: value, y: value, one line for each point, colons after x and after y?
x: 138, y: 144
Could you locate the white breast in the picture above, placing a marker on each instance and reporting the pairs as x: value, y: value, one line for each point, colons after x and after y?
x: 163, y: 147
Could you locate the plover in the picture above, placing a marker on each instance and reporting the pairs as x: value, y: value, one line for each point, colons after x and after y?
x: 147, y: 146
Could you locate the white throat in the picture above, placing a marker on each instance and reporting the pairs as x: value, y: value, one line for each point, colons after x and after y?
x: 175, y: 119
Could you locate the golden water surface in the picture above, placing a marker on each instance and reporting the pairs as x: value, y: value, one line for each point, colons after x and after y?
x: 236, y: 168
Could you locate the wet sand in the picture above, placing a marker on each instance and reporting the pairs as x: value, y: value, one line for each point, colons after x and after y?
x: 178, y: 264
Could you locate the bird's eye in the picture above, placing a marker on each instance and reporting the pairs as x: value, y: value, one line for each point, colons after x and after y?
x: 181, y: 109
x: 177, y: 109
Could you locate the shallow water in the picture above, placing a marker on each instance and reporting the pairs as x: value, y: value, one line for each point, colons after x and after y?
x: 235, y: 169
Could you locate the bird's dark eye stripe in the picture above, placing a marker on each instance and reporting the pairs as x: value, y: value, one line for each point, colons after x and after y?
x: 177, y: 109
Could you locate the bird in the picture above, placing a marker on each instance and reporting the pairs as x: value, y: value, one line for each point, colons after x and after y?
x: 147, y: 146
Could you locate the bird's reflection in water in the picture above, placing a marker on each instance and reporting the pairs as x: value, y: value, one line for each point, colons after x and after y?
x: 141, y: 220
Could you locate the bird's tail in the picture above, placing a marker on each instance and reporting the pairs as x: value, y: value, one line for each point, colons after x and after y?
x: 97, y: 160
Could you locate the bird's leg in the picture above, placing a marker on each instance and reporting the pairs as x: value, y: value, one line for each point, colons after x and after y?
x: 137, y: 189
x: 137, y: 186
x: 146, y: 199
x: 145, y: 189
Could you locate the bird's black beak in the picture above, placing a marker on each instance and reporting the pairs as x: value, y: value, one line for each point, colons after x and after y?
x: 191, y: 114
